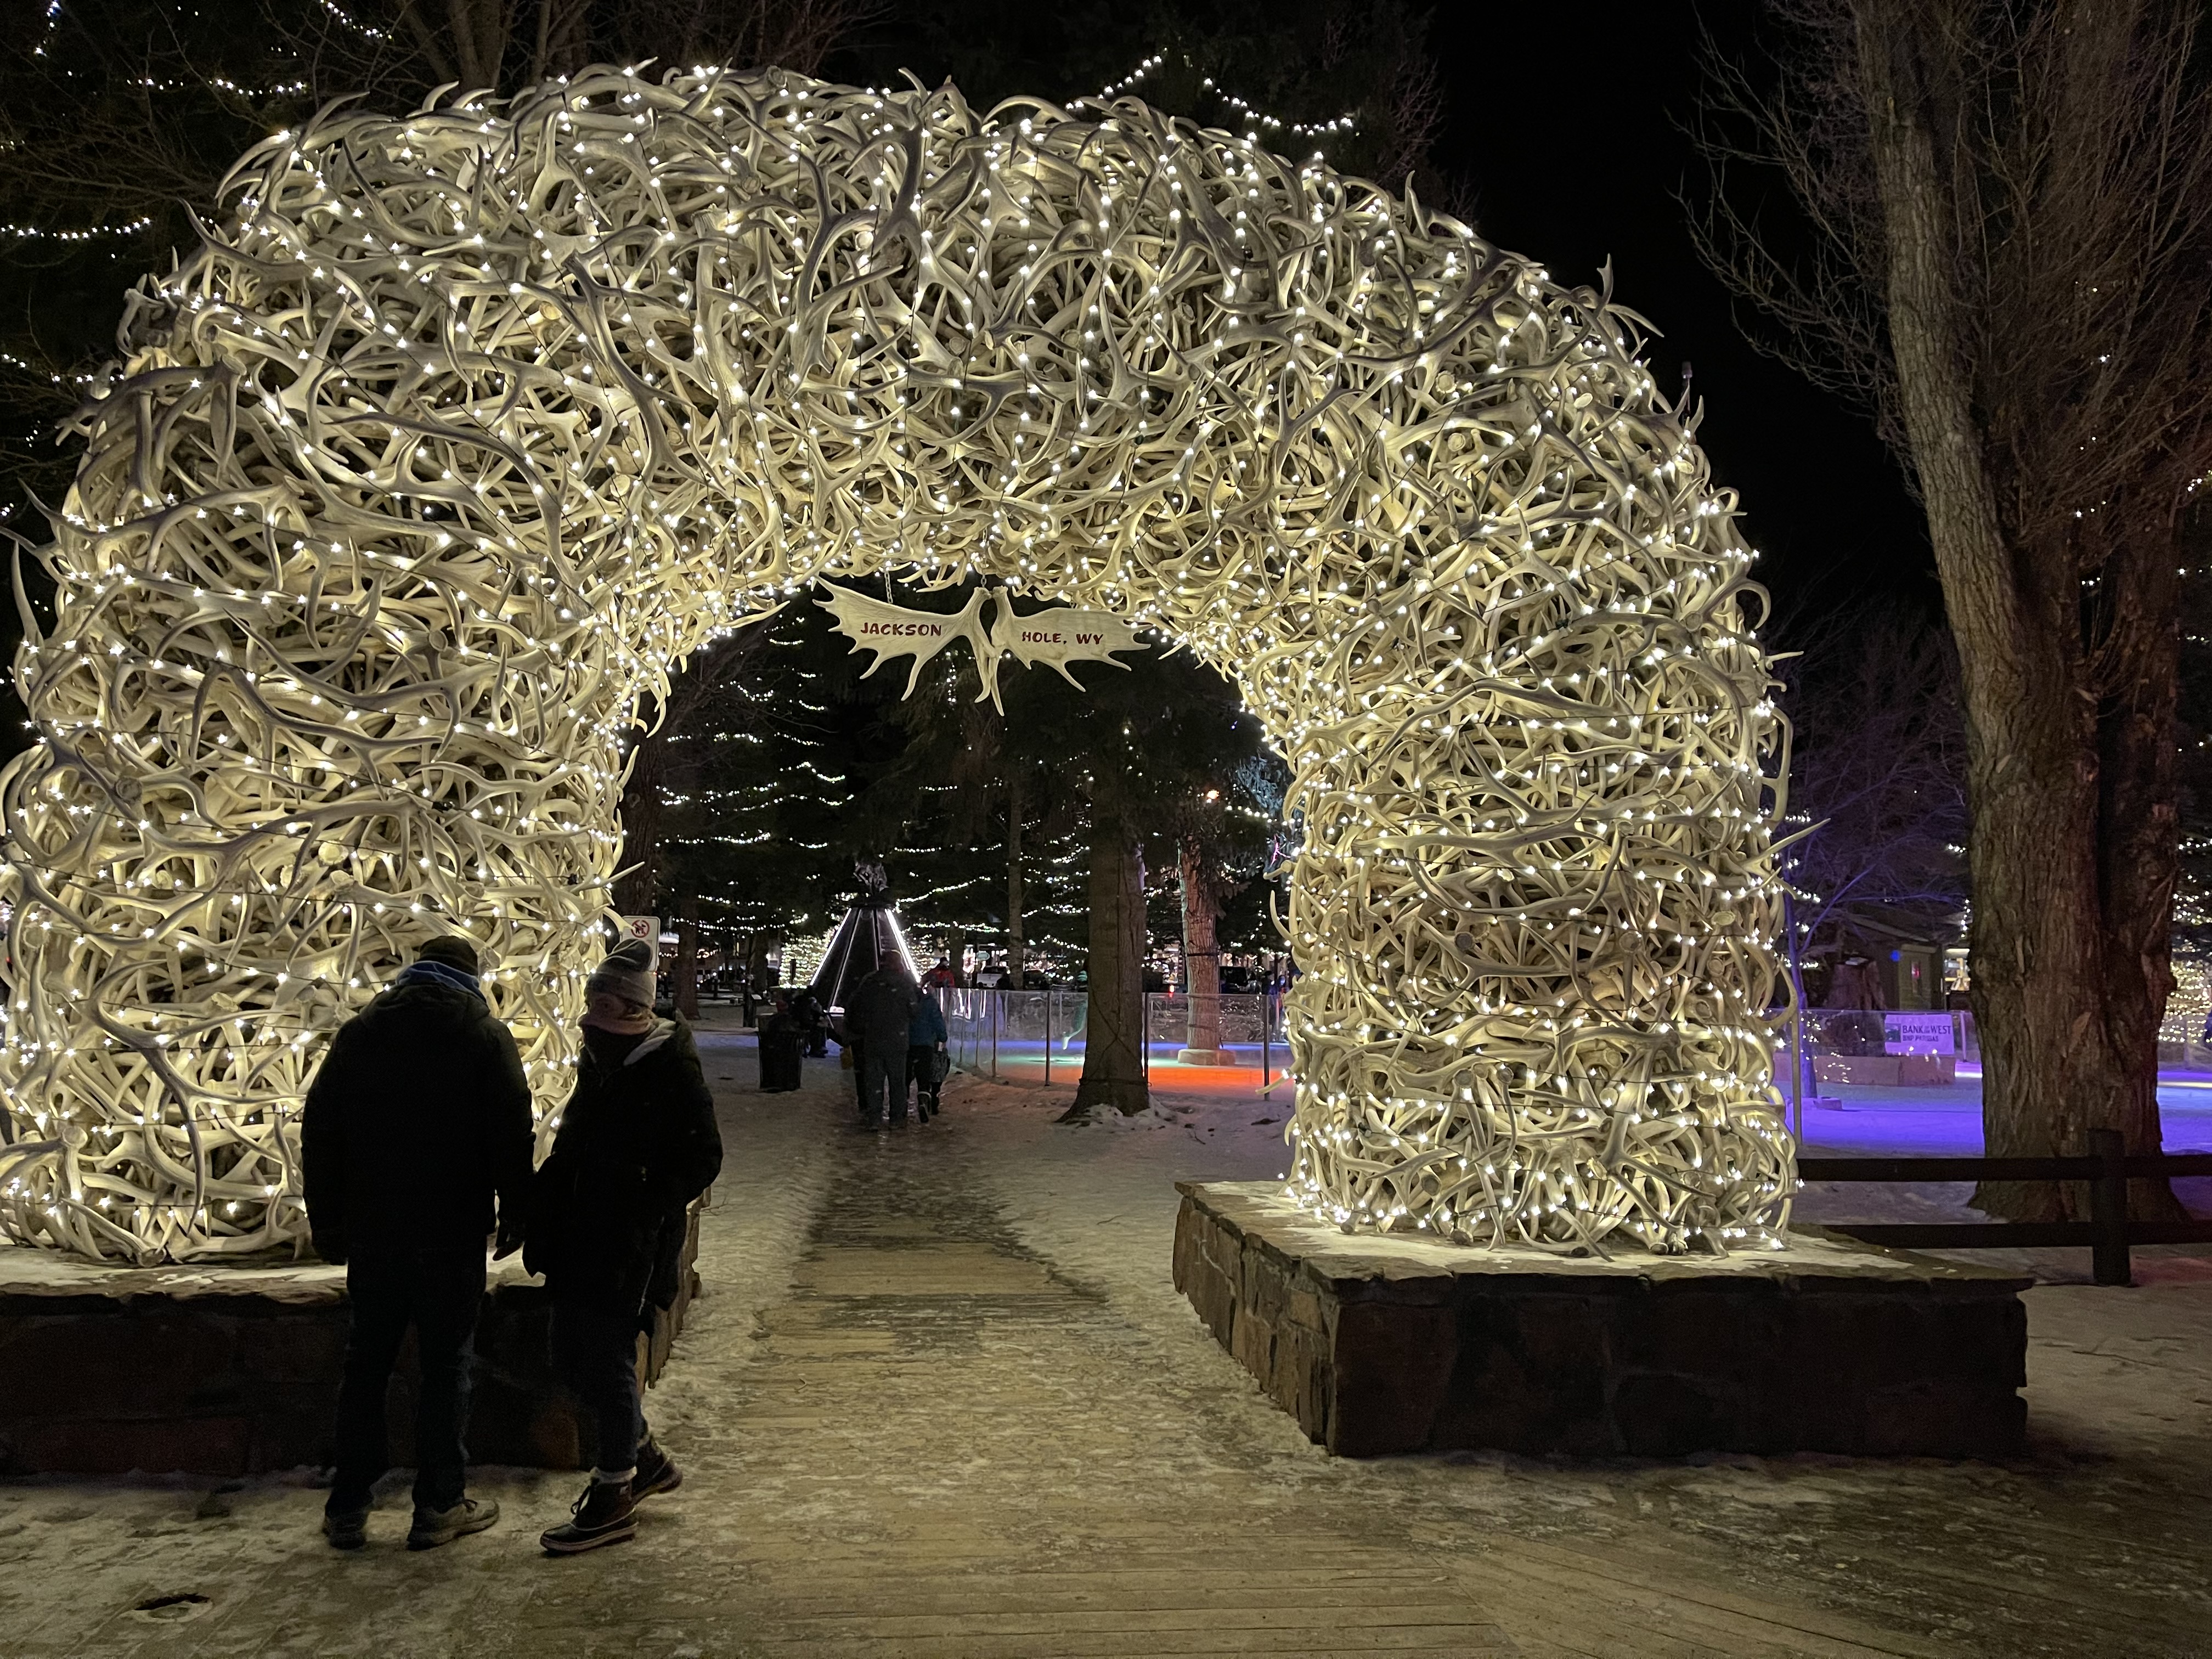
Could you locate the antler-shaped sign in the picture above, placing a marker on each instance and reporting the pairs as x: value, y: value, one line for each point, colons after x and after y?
x: 1056, y: 635
x: 1060, y: 635
x: 891, y: 630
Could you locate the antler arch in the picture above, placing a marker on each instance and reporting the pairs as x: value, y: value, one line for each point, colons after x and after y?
x: 465, y: 426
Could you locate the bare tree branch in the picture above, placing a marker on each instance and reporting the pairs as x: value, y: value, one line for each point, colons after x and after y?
x: 1995, y: 233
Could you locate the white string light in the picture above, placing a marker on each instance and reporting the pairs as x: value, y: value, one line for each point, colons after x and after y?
x: 14, y: 361
x: 1135, y: 78
x: 91, y: 233
x: 348, y: 20
x: 281, y: 89
x: 1342, y: 124
x: 467, y: 426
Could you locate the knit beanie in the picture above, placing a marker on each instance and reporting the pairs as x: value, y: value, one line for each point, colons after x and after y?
x: 626, y: 972
x: 450, y: 951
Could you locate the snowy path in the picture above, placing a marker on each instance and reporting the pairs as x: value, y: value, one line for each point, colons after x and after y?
x: 940, y: 1399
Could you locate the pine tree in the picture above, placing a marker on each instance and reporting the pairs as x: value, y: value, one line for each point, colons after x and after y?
x: 760, y: 800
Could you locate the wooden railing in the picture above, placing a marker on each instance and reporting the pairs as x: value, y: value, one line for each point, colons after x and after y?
x: 2108, y: 1233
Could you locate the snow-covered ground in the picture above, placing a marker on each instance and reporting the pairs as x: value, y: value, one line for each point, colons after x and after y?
x: 940, y: 1397
x: 2115, y: 1501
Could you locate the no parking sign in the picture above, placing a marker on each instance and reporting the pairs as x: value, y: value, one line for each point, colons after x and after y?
x: 645, y: 927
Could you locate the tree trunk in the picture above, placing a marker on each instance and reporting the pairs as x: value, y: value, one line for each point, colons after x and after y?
x: 2138, y: 836
x: 2068, y: 964
x: 1112, y: 1062
x: 1201, y: 961
x: 640, y: 821
x: 748, y: 986
x: 1015, y: 961
x: 480, y: 32
x: 687, y: 961
x: 561, y: 38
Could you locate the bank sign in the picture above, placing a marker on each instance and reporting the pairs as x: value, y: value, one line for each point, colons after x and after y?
x: 1917, y: 1034
x: 1055, y: 636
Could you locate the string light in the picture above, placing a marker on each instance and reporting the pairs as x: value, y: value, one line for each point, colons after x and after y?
x: 1342, y: 124
x: 92, y: 234
x: 466, y: 426
x: 1136, y: 76
x: 14, y: 361
x: 349, y: 20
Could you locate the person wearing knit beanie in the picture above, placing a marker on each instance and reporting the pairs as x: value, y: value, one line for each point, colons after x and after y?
x: 618, y: 996
x: 636, y: 1145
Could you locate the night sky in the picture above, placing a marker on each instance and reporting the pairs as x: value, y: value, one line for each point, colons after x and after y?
x: 1571, y: 139
x: 1565, y: 137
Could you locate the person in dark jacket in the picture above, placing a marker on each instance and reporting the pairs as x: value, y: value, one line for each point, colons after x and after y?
x: 779, y: 1040
x: 637, y: 1143
x: 813, y: 1024
x: 879, y: 1013
x: 845, y: 1031
x: 926, y: 1037
x: 416, y: 1124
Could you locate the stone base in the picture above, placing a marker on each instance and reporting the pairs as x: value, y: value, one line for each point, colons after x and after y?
x: 234, y: 1371
x: 1204, y: 1057
x: 1391, y: 1344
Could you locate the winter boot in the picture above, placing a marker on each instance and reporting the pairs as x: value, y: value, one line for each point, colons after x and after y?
x: 434, y: 1526
x: 656, y: 1472
x: 346, y: 1529
x: 606, y: 1514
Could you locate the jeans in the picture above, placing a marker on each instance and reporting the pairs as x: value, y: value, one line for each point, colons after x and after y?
x: 922, y: 1066
x: 595, y: 1351
x: 883, y: 1080
x: 437, y: 1291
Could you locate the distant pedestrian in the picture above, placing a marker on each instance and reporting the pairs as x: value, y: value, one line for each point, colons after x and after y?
x: 813, y: 1025
x: 417, y: 1121
x: 926, y: 1037
x: 637, y: 1145
x: 879, y: 1013
x: 944, y: 976
x: 779, y: 1048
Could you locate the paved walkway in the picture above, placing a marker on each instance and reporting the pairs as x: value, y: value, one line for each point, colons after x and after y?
x: 939, y: 1399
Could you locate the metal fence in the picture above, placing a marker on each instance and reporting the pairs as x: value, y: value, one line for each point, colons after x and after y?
x: 1040, y: 1035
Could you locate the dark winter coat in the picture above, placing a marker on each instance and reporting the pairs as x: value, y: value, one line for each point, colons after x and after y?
x: 417, y: 1118
x: 926, y: 1027
x: 881, y: 1009
x: 637, y: 1143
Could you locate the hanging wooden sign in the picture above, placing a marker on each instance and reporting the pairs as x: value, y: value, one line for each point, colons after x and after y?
x: 1056, y: 636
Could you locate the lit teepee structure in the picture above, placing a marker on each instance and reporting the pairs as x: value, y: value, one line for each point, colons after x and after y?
x: 870, y: 935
